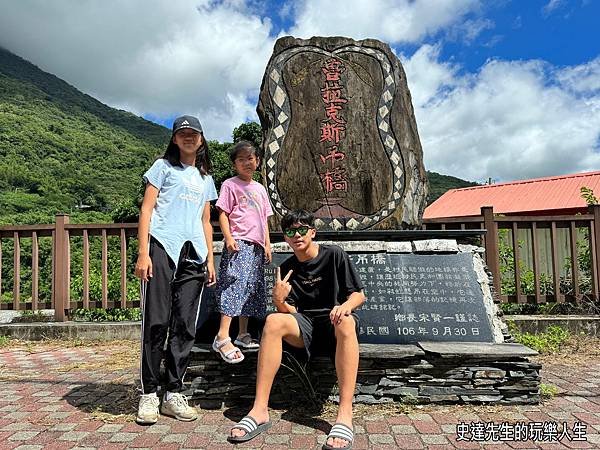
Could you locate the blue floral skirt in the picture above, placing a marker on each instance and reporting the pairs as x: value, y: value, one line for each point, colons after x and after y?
x: 241, y: 287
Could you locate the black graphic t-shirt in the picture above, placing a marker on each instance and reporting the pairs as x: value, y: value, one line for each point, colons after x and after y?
x: 322, y: 282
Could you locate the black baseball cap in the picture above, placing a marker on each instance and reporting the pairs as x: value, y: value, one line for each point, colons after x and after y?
x: 187, y: 122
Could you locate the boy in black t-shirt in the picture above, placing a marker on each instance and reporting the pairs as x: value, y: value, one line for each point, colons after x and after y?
x: 315, y: 301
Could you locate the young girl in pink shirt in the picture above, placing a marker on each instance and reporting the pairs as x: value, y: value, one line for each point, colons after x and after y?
x: 243, y: 210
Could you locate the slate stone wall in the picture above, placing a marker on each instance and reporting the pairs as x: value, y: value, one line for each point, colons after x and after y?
x: 387, y: 373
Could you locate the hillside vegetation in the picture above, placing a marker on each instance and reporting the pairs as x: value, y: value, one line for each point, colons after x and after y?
x: 61, y: 150
x: 438, y: 184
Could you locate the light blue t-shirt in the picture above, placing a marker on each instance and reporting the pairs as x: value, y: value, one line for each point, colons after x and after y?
x: 177, y: 215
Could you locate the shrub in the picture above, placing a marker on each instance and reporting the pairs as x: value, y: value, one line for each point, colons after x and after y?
x: 106, y: 315
x: 549, y: 341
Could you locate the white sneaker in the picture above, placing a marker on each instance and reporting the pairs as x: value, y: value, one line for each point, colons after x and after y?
x: 177, y: 406
x: 148, y: 409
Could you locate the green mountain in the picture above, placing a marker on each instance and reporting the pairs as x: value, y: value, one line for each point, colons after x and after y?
x: 64, y: 151
x: 438, y: 184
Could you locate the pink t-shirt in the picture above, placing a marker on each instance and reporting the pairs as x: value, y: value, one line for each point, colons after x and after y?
x: 248, y: 206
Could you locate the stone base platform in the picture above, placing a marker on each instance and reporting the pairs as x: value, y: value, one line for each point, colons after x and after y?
x: 429, y: 372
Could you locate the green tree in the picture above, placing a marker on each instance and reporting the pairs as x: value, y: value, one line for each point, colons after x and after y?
x: 249, y: 131
x: 588, y: 195
x: 221, y: 164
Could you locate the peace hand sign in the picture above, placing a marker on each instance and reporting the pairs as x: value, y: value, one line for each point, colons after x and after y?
x: 282, y: 287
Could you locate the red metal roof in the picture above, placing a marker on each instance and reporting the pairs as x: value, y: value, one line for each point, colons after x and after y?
x: 547, y: 195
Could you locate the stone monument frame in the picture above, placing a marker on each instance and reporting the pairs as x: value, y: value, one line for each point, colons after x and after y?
x: 403, y: 188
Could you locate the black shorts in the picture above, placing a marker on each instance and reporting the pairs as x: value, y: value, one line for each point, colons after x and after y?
x: 318, y: 333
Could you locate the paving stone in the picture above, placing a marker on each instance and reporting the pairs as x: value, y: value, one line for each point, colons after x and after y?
x: 16, y: 426
x: 110, y: 428
x: 17, y: 415
x: 409, y: 442
x: 73, y: 435
x: 52, y: 408
x: 427, y: 427
x: 420, y: 416
x: 377, y: 439
x: 87, y: 426
x: 158, y: 428
x: 23, y: 435
x: 437, y: 439
x: 122, y: 437
x: 403, y: 429
x: 301, y: 429
x: 64, y: 427
x: 179, y: 438
x: 42, y: 394
x: 195, y: 440
x: 276, y: 439
x: 376, y: 427
x: 302, y: 441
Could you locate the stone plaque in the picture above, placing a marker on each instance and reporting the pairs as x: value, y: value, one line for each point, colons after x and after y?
x: 410, y: 298
x: 339, y: 135
x: 413, y: 298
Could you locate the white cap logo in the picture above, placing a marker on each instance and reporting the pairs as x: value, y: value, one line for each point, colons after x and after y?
x: 185, y: 122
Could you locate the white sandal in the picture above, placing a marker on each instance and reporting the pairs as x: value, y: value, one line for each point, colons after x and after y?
x: 246, y: 342
x: 227, y: 356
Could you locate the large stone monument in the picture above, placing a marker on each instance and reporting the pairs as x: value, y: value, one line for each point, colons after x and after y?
x: 339, y: 135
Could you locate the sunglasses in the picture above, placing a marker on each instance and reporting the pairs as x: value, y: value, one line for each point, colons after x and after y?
x: 291, y: 232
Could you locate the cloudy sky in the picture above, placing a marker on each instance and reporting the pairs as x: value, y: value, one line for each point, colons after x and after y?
x: 502, y: 89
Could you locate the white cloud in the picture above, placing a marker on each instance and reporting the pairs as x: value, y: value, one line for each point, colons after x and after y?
x: 511, y: 120
x: 149, y: 57
x: 469, y: 30
x: 392, y: 21
x: 427, y: 77
x: 551, y: 6
x: 583, y: 79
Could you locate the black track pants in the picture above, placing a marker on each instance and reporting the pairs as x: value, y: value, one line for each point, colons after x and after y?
x: 170, y: 302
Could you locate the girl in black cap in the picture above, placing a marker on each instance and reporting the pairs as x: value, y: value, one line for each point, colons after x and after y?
x: 175, y: 260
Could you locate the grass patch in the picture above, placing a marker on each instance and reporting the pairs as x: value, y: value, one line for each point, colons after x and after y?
x: 548, y: 342
x: 547, y: 391
x: 4, y: 341
x: 119, y: 358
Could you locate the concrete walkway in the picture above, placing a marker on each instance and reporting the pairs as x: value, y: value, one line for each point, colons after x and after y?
x: 83, y: 396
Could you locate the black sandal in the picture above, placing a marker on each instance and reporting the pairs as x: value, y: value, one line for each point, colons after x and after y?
x: 340, y: 431
x: 251, y: 427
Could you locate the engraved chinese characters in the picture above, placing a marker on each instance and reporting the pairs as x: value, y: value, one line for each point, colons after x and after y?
x: 339, y: 135
x: 333, y: 127
x: 415, y: 298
